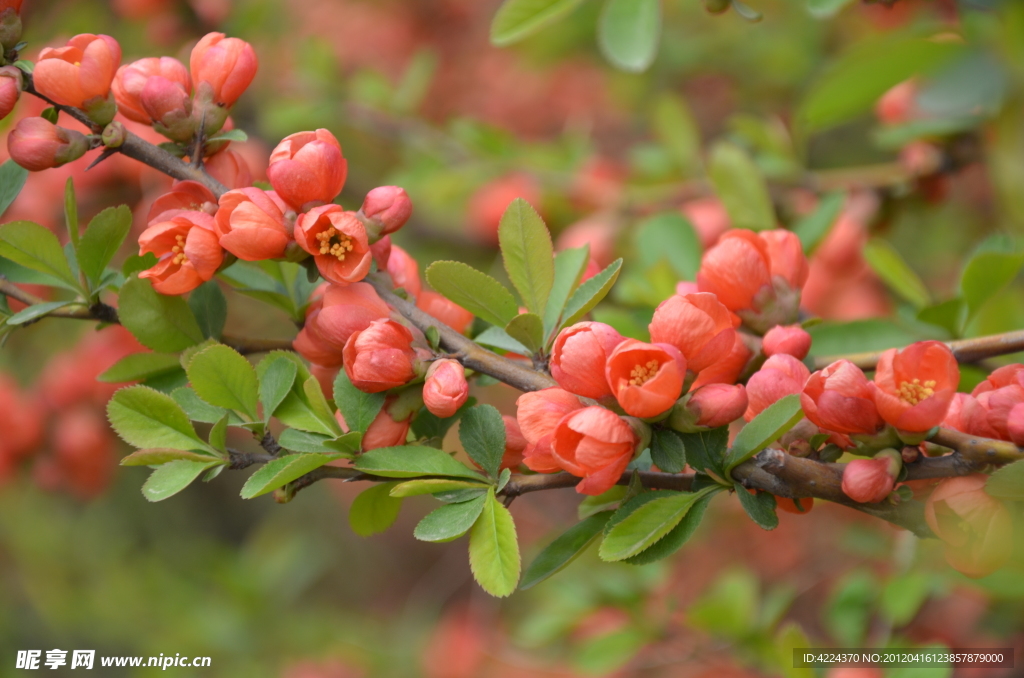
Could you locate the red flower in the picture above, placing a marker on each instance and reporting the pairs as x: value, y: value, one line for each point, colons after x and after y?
x: 10, y: 89
x: 384, y: 430
x: 230, y: 169
x: 445, y: 310
x: 184, y: 195
x: 839, y: 398
x: 222, y: 68
x: 914, y: 387
x: 716, y: 405
x: 515, y: 444
x: 579, y: 355
x: 445, y: 389
x: 696, y: 324
x: 538, y: 413
x: 976, y: 528
x: 780, y: 376
x: 646, y: 379
x: 252, y: 225
x: 404, y: 271
x: 337, y: 240
x: 789, y: 339
x: 188, y: 251
x: 131, y: 80
x: 37, y: 144
x: 307, y: 169
x: 727, y: 369
x: 869, y: 481
x: 80, y: 73
x: 594, y: 444
x: 388, y: 207
x: 380, y: 357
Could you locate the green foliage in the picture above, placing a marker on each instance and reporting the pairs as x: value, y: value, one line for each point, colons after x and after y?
x: 528, y: 254
x: 374, y: 510
x: 528, y: 330
x: 482, y: 433
x: 102, y: 240
x: 519, y: 19
x: 139, y: 367
x: 224, y: 378
x: 628, y: 33
x: 159, y: 322
x: 210, y: 307
x: 36, y: 248
x: 416, y: 488
x: 705, y: 450
x: 410, y: 461
x: 161, y: 455
x: 894, y: 271
x: 433, y: 428
x: 276, y: 378
x: 35, y: 312
x: 450, y: 521
x: 674, y: 126
x: 986, y: 273
x: 848, y: 611
x: 771, y: 424
x: 146, y: 418
x: 1007, y: 482
x: 174, y: 476
x: 678, y: 535
x: 741, y: 187
x: 589, y: 294
x: 759, y: 506
x: 357, y: 408
x: 494, y: 549
x: 566, y: 548
x: 646, y: 524
x: 570, y: 265
x: 12, y: 179
x: 477, y: 292
x: 813, y: 228
x: 669, y: 236
x: 668, y: 451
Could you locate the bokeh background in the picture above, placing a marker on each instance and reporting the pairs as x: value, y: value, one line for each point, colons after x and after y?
x: 418, y: 97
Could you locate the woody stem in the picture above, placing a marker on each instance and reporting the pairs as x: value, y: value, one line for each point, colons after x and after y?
x: 964, y: 350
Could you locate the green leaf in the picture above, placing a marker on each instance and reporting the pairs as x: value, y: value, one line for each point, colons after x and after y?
x: 836, y: 338
x: 741, y: 187
x: 36, y: 311
x: 647, y: 524
x: 823, y: 9
x: 495, y: 337
x: 71, y: 211
x: 303, y: 441
x: 563, y: 550
x: 894, y: 272
x: 429, y: 426
x: 416, y: 488
x: 1007, y: 482
x: 518, y: 19
x: 410, y: 461
x: 251, y: 280
x: 137, y: 263
x: 678, y: 536
x: 985, y: 275
x: 159, y: 322
x: 295, y: 410
x: 229, y: 135
x: 210, y: 308
x: 677, y: 130
x: 667, y: 451
x: 35, y: 247
x: 767, y: 427
x: 139, y: 366
x: 147, y: 418
x: 283, y: 470
x: 477, y: 292
x: 494, y: 549
x: 760, y: 507
x: 218, y: 435
x: 589, y: 294
x: 903, y: 596
x: 569, y: 268
x: 528, y: 330
x: 198, y: 409
x: 450, y: 521
x: 669, y: 236
x: 224, y: 378
x: 602, y: 502
x: 161, y: 455
x: 528, y: 254
x: 950, y: 315
x: 357, y: 408
x: 482, y: 433
x: 813, y: 228
x: 706, y: 450
x: 319, y: 407
x: 628, y: 33
x: 374, y: 510
x: 173, y: 477
x: 276, y: 380
x: 12, y: 180
x: 102, y: 240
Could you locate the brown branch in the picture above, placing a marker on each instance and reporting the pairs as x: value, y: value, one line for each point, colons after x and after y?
x: 977, y: 450
x: 965, y: 350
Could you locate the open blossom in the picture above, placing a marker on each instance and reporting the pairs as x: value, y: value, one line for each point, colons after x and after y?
x: 222, y: 68
x: 380, y: 357
x: 184, y: 195
x: 404, y: 271
x: 696, y: 324
x: 445, y: 389
x: 337, y: 240
x: 780, y: 376
x: 646, y: 379
x: 914, y: 387
x: 538, y: 412
x: 445, y: 310
x: 78, y: 74
x: 595, y: 444
x: 188, y: 250
x: 252, y: 225
x: 515, y: 443
x: 1007, y: 375
x: 334, y: 317
x: 579, y: 355
x: 790, y: 339
x: 388, y: 207
x: 839, y: 398
x: 307, y: 169
x: 728, y: 368
x: 37, y: 144
x: 976, y: 528
x: 869, y: 481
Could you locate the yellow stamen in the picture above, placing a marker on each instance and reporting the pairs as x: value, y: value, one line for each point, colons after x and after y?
x: 642, y: 374
x: 335, y: 243
x: 179, y: 250
x: 913, y: 392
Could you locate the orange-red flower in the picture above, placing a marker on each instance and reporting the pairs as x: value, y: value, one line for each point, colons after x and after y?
x: 976, y: 528
x: 646, y: 379
x: 380, y: 357
x: 594, y: 444
x: 445, y: 310
x: 10, y: 89
x: 307, y: 169
x: 37, y: 144
x: 337, y: 240
x: 184, y: 195
x: 188, y: 250
x: 698, y: 325
x: 445, y: 389
x: 515, y: 443
x: 230, y: 169
x: 156, y: 89
x: 538, y: 412
x: 79, y: 73
x: 914, y: 387
x: 252, y: 225
x: 21, y: 420
x: 388, y: 208
x: 727, y: 369
x: 780, y: 376
x: 579, y: 356
x: 715, y: 405
x: 790, y: 339
x: 222, y: 68
x: 404, y: 271
x: 869, y: 481
x: 839, y: 398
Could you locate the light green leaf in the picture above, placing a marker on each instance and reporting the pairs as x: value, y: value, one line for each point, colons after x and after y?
x: 647, y: 524
x: 171, y: 478
x: 495, y: 337
x: 229, y: 135
x: 410, y: 461
x: 71, y: 211
x: 147, y: 418
x: 669, y: 236
x: 218, y: 436
x: 679, y: 534
x: 1007, y: 482
x: 224, y: 378
x: 210, y: 308
x: 482, y: 433
x: 823, y: 9
x: 139, y: 366
x: 161, y: 455
x: 569, y: 268
x: 159, y: 322
x: 767, y: 427
x: 477, y: 292
x: 813, y: 228
x: 36, y: 311
x: 528, y: 254
x: 35, y: 247
x: 528, y: 330
x: 494, y: 549
x: 283, y: 470
x: 198, y: 409
x: 102, y: 240
x: 416, y: 488
x: 12, y: 179
x: 985, y: 275
x: 518, y: 19
x: 276, y: 380
x: 566, y: 548
x: 450, y: 521
x: 894, y: 271
x: 628, y: 33
x: 319, y: 407
x: 303, y: 441
x: 760, y: 507
x: 374, y: 510
x: 741, y: 187
x: 589, y: 294
x: 357, y: 408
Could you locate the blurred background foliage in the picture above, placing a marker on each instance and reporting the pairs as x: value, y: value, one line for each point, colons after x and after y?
x: 780, y: 111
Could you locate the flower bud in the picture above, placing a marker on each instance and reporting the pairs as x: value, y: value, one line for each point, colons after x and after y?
x: 709, y: 407
x: 384, y: 430
x: 388, y: 208
x: 230, y: 169
x: 445, y: 389
x: 538, y: 412
x: 114, y: 134
x: 975, y: 527
x: 10, y: 23
x: 595, y: 444
x: 780, y: 376
x: 579, y: 356
x: 148, y: 89
x: 307, y: 169
x: 840, y: 399
x: 79, y: 75
x: 1015, y: 425
x: 37, y: 144
x: 381, y: 251
x: 869, y: 481
x: 343, y: 311
x: 699, y: 325
x: 380, y: 357
x: 404, y: 271
x: 445, y: 310
x: 10, y: 89
x: 913, y: 387
x: 789, y: 339
x: 338, y: 242
x: 188, y: 249
x: 646, y: 379
x: 251, y: 224
x: 222, y: 68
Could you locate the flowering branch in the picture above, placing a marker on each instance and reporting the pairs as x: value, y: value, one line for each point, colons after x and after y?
x: 964, y: 350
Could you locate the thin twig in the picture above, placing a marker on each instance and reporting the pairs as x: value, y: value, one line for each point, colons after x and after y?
x: 965, y: 350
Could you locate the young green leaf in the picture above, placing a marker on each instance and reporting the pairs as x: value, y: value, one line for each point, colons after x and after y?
x: 518, y: 19
x: 603, y: 502
x: 813, y: 228
x: 760, y: 507
x: 36, y: 311
x: 12, y: 179
x: 198, y: 409
x: 210, y: 308
x: 528, y: 330
x: 589, y: 294
x: 628, y: 33
x: 156, y: 456
x: 679, y: 534
x: 159, y: 322
x: 218, y: 436
x: 985, y: 275
x: 224, y: 378
x: 482, y: 433
x: 741, y: 187
x: 276, y: 380
x: 374, y: 510
x: 410, y: 461
x: 528, y: 254
x: 102, y: 240
x: 319, y: 407
x: 895, y: 272
x: 496, y: 337
x: 283, y: 470
x: 647, y: 524
x: 1007, y: 482
x: 477, y: 292
x: 357, y: 408
x: 563, y: 550
x: 147, y: 418
x: 767, y: 427
x: 494, y: 549
x: 569, y: 268
x: 669, y: 236
x: 171, y: 478
x: 416, y: 488
x: 139, y: 366
x: 450, y: 521
x: 35, y: 247
x: 668, y: 451
x: 303, y: 441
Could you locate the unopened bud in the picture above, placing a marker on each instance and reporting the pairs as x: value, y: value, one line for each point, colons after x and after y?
x: 387, y: 208
x: 869, y: 481
x: 10, y: 26
x: 789, y: 339
x: 10, y: 89
x: 114, y: 134
x: 37, y: 144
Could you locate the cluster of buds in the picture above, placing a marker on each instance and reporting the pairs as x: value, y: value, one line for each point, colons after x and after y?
x: 994, y: 409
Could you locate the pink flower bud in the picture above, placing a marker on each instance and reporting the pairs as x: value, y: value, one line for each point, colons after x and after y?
x: 595, y: 444
x: 792, y: 340
x: 10, y: 89
x: 840, y: 399
x: 1015, y: 425
x: 869, y: 481
x: 37, y: 144
x: 716, y: 405
x: 579, y: 356
x: 389, y: 207
x: 381, y: 251
x: 380, y: 357
x: 913, y: 387
x: 780, y: 376
x: 709, y: 219
x: 224, y: 66
x: 132, y: 79
x: 445, y: 310
x: 188, y: 249
x: 79, y: 74
x: 338, y: 242
x: 230, y: 169
x: 445, y: 389
x: 696, y: 324
x: 307, y: 169
x: 404, y: 271
x: 252, y: 225
x: 515, y: 444
x: 976, y: 528
x: 646, y: 379
x: 898, y: 105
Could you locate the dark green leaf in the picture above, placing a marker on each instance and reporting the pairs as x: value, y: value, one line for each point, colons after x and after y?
x: 159, y: 322
x: 12, y: 179
x: 358, y: 409
x: 741, y: 187
x: 669, y: 236
x: 950, y: 315
x: 528, y: 330
x: 760, y: 507
x: 667, y: 451
x: 602, y: 502
x: 276, y: 380
x: 628, y: 33
x: 482, y: 432
x: 985, y: 275
x: 813, y: 228
x: 569, y: 268
x: 224, y: 378
x: 678, y: 536
x: 102, y: 240
x: 563, y: 550
x: 137, y: 263
x: 767, y: 427
x: 836, y: 338
x: 494, y: 549
x: 518, y: 19
x: 171, y: 478
x: 283, y: 470
x: 139, y: 366
x: 450, y: 521
x: 894, y: 271
x: 477, y: 292
x: 528, y: 254
x: 303, y: 441
x: 410, y: 461
x: 210, y: 308
x: 706, y: 450
x: 36, y: 248
x: 589, y: 294
x: 374, y: 510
